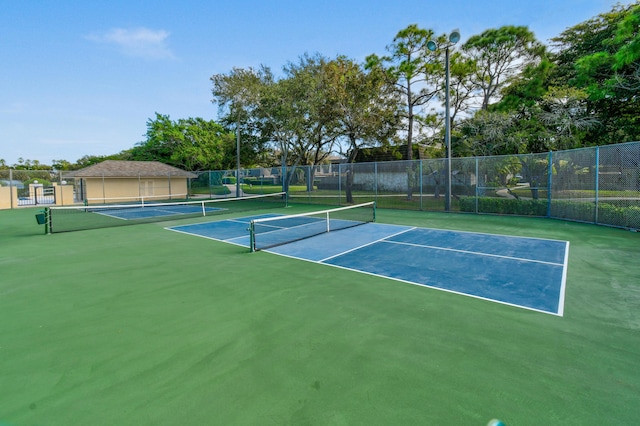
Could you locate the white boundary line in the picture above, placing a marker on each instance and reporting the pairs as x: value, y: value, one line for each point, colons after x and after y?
x: 477, y: 253
x: 204, y: 236
x: 420, y: 285
x: 494, y: 235
x: 368, y: 244
x: 559, y: 313
x: 564, y: 280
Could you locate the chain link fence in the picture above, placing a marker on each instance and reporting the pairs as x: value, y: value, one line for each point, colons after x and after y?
x: 28, y: 187
x: 597, y: 185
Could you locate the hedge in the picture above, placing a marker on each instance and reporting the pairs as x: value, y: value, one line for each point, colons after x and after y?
x: 608, y: 214
x: 504, y: 206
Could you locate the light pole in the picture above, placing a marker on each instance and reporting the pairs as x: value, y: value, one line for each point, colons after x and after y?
x: 238, y: 156
x: 454, y: 37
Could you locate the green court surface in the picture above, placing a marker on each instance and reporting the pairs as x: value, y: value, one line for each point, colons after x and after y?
x: 141, y: 326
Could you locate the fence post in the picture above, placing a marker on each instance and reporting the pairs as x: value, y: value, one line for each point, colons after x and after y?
x: 285, y: 180
x: 375, y: 180
x: 477, y: 185
x: 597, y: 181
x: 549, y: 183
x: 420, y: 181
x: 209, y: 180
x: 11, y: 190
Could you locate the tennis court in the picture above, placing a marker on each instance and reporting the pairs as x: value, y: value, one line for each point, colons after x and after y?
x: 143, y: 212
x: 525, y: 272
x: 134, y: 325
x: 73, y: 218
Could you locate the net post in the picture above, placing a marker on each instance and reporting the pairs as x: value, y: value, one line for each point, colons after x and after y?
x: 252, y: 238
x: 204, y: 211
x: 328, y: 223
x: 47, y: 220
x: 374, y: 210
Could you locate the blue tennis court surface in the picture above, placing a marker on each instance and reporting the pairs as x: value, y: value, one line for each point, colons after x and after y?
x: 142, y: 212
x: 525, y: 272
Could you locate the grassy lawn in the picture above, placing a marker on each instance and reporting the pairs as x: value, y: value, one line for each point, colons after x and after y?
x: 138, y: 325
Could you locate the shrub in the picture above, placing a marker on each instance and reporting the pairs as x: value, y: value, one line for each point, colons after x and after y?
x: 583, y: 211
x: 496, y: 205
x: 229, y: 180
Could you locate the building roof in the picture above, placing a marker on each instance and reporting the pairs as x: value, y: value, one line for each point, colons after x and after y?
x: 120, y: 168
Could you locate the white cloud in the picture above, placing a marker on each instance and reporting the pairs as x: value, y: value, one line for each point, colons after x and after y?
x: 141, y: 42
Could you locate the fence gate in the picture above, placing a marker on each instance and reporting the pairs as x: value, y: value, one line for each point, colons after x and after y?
x: 33, y: 195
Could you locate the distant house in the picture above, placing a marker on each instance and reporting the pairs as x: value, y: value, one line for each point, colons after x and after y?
x: 122, y: 181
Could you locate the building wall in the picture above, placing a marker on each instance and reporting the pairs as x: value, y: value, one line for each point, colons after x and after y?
x: 63, y: 194
x: 8, y: 197
x: 134, y: 189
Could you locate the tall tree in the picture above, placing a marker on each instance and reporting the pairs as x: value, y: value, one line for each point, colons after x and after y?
x: 526, y: 89
x: 316, y: 113
x: 276, y: 116
x: 62, y: 165
x: 293, y: 111
x: 366, y: 104
x: 162, y: 137
x: 522, y: 99
x: 500, y: 55
x: 237, y: 95
x: 462, y: 88
x: 410, y: 68
x: 489, y: 133
x: 201, y: 146
x: 191, y: 144
x: 600, y: 56
x: 564, y: 112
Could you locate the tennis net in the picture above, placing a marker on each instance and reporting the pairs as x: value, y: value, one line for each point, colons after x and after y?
x: 76, y: 218
x: 275, y: 231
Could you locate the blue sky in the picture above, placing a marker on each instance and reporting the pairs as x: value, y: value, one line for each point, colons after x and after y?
x: 84, y: 77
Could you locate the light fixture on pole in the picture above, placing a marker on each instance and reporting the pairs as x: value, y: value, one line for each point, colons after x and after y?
x: 454, y: 37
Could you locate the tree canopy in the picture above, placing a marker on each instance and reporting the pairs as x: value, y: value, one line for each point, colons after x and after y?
x: 190, y: 144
